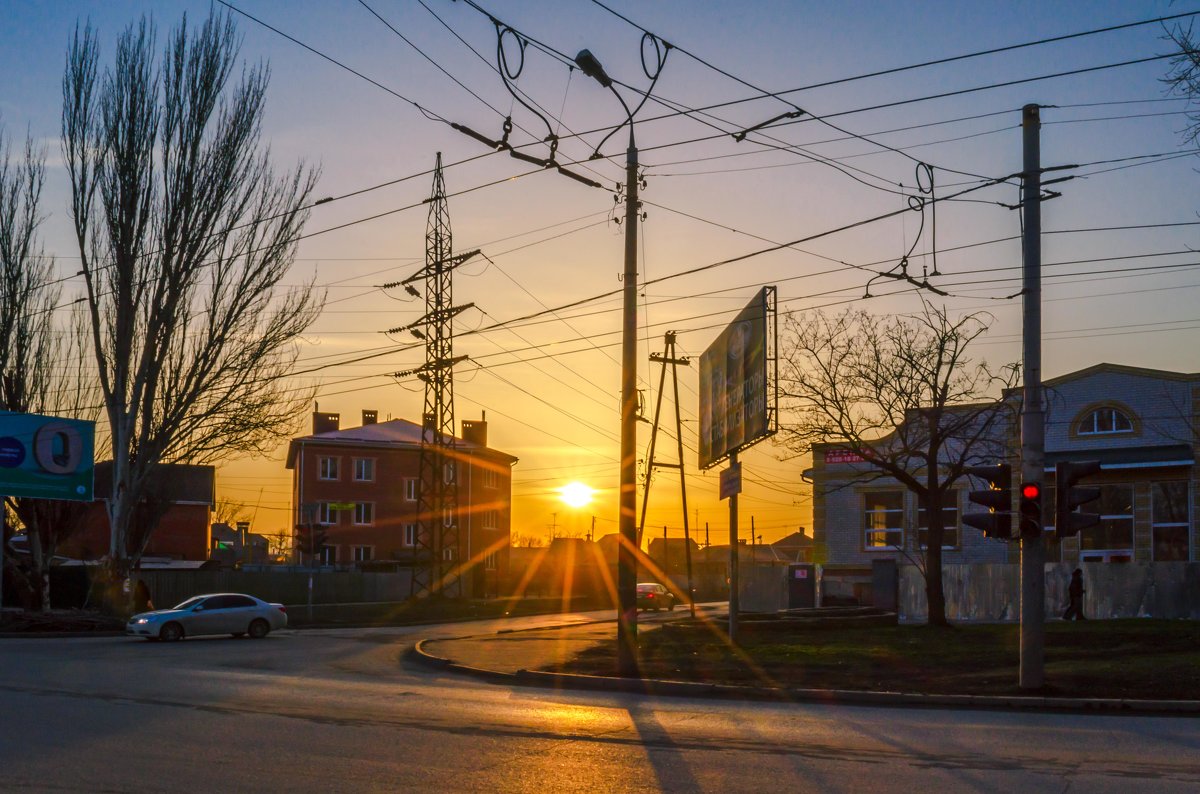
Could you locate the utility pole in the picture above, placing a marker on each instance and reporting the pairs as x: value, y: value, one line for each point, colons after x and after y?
x: 437, y: 566
x: 666, y: 557
x: 592, y: 531
x: 1033, y: 425
x: 669, y: 358
x: 553, y: 526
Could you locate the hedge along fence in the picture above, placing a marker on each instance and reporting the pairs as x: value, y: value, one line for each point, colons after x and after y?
x: 991, y: 593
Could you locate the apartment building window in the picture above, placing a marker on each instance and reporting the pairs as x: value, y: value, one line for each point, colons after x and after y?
x: 364, y: 470
x: 448, y: 553
x: 326, y: 514
x: 949, y: 522
x: 1169, y: 517
x: 327, y: 468
x: 364, y: 513
x: 410, y: 489
x: 491, y: 519
x: 328, y: 555
x: 410, y: 534
x: 883, y: 516
x: 362, y: 553
x: 1114, y: 533
x: 489, y: 561
x: 490, y: 478
x: 1103, y: 421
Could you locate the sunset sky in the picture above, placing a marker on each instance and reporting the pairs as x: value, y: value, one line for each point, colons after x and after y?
x: 550, y: 385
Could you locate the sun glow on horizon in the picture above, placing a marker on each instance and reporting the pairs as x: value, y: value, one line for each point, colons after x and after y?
x: 576, y: 494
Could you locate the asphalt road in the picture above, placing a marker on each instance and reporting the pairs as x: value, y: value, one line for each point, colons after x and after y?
x: 338, y: 710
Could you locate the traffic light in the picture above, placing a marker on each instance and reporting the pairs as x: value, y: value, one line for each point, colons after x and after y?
x: 1031, y: 509
x: 310, y: 538
x: 1067, y: 497
x: 997, y: 521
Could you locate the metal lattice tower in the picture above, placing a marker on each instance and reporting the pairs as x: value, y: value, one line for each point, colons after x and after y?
x: 437, y: 570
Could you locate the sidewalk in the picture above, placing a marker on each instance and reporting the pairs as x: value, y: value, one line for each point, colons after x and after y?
x: 522, y: 657
x: 511, y: 651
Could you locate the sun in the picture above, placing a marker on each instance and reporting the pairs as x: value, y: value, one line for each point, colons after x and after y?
x: 576, y: 494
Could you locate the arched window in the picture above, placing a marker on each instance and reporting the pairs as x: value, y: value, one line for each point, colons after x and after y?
x: 1103, y: 421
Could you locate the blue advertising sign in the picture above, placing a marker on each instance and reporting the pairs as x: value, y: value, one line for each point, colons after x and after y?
x: 46, y: 457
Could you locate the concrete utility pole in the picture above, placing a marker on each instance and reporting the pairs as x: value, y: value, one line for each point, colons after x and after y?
x: 627, y: 497
x: 1033, y: 425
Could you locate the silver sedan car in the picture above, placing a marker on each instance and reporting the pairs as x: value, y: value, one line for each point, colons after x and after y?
x: 219, y: 613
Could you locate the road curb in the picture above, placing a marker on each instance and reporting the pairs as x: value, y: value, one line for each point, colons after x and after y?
x: 57, y: 635
x: 658, y: 687
x: 418, y: 654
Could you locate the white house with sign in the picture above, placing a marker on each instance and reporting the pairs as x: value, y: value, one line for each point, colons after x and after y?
x: 1142, y: 426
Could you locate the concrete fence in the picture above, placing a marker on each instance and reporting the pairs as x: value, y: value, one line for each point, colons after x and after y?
x: 991, y: 593
x: 168, y: 588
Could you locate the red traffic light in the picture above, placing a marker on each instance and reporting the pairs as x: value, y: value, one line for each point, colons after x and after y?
x: 1031, y: 490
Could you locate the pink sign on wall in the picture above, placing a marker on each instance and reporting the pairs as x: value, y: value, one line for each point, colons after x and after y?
x: 841, y: 456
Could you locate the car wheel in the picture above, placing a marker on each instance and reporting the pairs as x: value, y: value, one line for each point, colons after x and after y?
x: 671, y: 606
x: 259, y: 629
x: 172, y: 632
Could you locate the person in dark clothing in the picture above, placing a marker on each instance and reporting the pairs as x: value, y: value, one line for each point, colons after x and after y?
x: 141, y: 597
x: 1075, y: 591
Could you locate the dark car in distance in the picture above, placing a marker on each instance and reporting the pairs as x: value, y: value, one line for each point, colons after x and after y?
x: 651, y: 595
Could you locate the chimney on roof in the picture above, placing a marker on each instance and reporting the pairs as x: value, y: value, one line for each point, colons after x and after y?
x: 370, y: 417
x: 325, y: 422
x: 475, y: 432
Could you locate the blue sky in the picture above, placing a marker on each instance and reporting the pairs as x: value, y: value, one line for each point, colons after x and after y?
x: 707, y: 196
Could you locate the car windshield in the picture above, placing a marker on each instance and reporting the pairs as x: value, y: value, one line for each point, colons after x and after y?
x: 191, y: 602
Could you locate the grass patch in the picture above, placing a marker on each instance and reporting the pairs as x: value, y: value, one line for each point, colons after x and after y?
x: 1154, y: 659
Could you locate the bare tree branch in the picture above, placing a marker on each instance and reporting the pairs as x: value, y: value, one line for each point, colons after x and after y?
x: 904, y: 395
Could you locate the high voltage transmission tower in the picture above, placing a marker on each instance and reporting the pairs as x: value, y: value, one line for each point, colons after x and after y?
x: 437, y: 570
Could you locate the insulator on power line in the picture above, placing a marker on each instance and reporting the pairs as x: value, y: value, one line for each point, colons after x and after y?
x: 579, y: 178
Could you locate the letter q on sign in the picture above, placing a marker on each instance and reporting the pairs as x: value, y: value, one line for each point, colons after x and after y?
x: 58, y: 448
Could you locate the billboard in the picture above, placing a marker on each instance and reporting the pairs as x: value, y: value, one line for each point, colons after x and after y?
x: 735, y: 411
x: 46, y: 457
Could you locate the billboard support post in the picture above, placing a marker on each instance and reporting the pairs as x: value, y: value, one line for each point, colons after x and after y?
x: 734, y: 605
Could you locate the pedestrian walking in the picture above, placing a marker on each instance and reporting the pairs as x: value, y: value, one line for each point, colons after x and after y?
x: 1075, y: 591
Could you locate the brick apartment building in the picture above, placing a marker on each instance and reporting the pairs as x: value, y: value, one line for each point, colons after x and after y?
x: 361, y: 485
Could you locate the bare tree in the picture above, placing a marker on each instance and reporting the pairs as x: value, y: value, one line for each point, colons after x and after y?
x: 1184, y: 77
x: 185, y: 235
x: 902, y: 394
x: 227, y: 511
x: 42, y: 366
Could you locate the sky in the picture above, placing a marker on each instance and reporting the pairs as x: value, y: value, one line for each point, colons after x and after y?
x: 550, y: 386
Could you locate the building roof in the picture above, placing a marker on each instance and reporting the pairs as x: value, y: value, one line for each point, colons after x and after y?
x: 1122, y: 369
x: 178, y: 483
x: 393, y: 433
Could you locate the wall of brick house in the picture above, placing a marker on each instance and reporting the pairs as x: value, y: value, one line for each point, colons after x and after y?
x: 183, y: 533
x: 392, y: 510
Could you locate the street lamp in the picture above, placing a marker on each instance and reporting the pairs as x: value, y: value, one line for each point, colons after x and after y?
x: 626, y: 557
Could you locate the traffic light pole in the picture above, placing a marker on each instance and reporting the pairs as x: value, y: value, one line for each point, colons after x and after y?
x: 1033, y: 426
